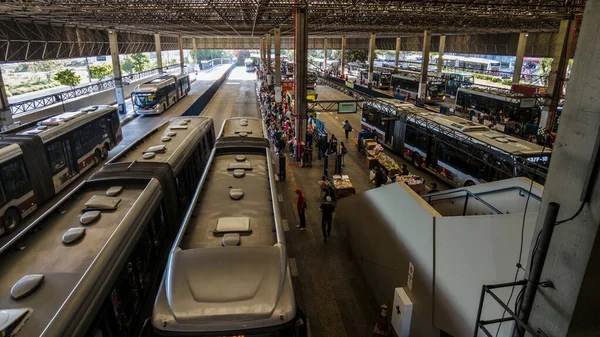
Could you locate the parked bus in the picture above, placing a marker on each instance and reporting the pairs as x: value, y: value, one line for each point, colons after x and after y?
x: 457, y: 80
x: 184, y: 143
x: 406, y: 83
x: 311, y: 80
x: 159, y: 94
x: 236, y: 235
x: 382, y: 79
x: 116, y: 229
x: 470, y: 63
x: 36, y: 162
x: 249, y: 63
x: 458, y: 151
x: 490, y: 101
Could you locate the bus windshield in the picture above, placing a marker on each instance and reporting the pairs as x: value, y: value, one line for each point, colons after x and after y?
x: 436, y: 89
x: 145, y: 99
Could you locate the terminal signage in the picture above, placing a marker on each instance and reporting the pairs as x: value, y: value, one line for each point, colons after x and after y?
x: 100, y: 58
x: 350, y: 84
x: 346, y: 107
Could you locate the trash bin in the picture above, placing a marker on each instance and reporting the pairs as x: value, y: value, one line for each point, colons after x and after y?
x: 443, y: 109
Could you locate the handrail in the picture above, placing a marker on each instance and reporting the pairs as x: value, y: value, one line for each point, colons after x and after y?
x: 17, y: 108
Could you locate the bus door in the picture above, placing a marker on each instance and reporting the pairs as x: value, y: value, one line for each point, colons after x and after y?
x: 433, y: 149
x: 388, y: 129
x: 70, y: 158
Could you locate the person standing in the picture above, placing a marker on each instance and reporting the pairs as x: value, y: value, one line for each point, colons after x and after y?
x: 301, y: 209
x: 434, y: 188
x: 327, y: 209
x: 347, y: 128
x: 342, y: 153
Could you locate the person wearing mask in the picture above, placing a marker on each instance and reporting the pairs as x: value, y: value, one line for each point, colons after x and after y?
x: 327, y: 209
x: 347, y: 128
x: 301, y: 205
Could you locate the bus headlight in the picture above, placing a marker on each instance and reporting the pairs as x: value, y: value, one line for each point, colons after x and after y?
x: 429, y: 97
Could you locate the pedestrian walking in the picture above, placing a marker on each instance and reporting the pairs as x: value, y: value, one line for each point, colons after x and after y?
x: 404, y: 170
x: 347, y: 128
x: 434, y: 188
x: 327, y: 209
x: 301, y: 209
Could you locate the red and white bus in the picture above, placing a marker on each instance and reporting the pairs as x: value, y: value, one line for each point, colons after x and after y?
x: 38, y: 162
x: 457, y: 150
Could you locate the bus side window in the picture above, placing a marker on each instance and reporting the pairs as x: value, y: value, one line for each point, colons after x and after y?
x: 14, y: 179
x: 56, y: 155
x: 115, y: 121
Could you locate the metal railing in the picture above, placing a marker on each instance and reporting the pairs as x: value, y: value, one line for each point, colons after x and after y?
x: 62, y: 96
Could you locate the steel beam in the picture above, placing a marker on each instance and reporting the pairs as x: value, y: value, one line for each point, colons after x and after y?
x: 194, y: 54
x: 114, y: 55
x: 268, y: 50
x: 556, y: 79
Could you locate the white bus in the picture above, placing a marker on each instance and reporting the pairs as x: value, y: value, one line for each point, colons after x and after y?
x: 457, y: 150
x: 470, y: 63
x: 157, y: 95
x: 38, y: 162
x: 249, y: 63
x: 228, y: 273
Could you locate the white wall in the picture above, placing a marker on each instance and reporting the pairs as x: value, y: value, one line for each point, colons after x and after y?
x: 470, y: 252
x: 389, y: 227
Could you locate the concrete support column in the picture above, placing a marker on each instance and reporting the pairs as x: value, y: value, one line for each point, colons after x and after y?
x: 194, y: 54
x: 343, y: 56
x: 421, y: 99
x: 262, y: 54
x: 520, y: 54
x: 325, y: 54
x: 181, y: 61
x: 440, y: 61
x: 569, y: 307
x: 397, y: 56
x: 158, y: 54
x: 5, y: 113
x: 371, y: 57
x: 301, y: 71
x: 277, y: 38
x: 116, y: 64
x: 558, y: 69
x: 268, y: 50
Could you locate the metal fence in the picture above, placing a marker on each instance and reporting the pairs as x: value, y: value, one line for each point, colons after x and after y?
x: 59, y: 97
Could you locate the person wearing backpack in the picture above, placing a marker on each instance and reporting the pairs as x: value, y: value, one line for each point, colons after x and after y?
x: 347, y: 128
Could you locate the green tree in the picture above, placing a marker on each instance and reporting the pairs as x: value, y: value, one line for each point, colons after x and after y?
x: 140, y: 62
x: 357, y: 55
x: 46, y: 67
x: 99, y: 72
x: 545, y: 65
x: 127, y: 65
x: 67, y: 77
x: 174, y: 61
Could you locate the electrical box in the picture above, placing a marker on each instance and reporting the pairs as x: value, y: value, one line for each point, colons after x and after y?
x: 401, y: 313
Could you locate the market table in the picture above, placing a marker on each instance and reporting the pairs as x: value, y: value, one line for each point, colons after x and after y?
x: 416, y: 183
x: 342, y: 186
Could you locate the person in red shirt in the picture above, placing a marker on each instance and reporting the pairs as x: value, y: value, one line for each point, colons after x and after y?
x: 301, y: 209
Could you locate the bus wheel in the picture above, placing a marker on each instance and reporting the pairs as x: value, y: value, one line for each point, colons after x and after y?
x: 469, y: 183
x: 11, y: 220
x: 105, y: 150
x: 417, y: 160
x: 97, y: 157
x: 164, y: 107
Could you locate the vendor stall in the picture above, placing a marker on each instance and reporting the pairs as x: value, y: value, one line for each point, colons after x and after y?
x: 342, y: 186
x: 416, y: 183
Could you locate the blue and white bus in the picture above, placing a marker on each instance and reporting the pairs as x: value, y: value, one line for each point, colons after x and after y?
x: 157, y: 95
